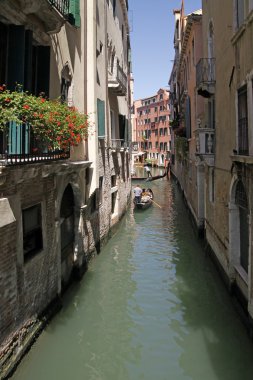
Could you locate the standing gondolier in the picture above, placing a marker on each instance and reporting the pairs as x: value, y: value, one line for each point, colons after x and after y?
x: 148, y: 171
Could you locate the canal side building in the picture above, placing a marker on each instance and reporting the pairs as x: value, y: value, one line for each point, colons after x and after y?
x: 187, y: 110
x: 223, y: 138
x: 152, y: 129
x: 227, y: 90
x: 56, y: 208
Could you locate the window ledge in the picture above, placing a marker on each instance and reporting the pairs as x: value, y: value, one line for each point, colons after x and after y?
x: 243, y: 159
x: 238, y: 34
x: 114, y: 189
x: 242, y: 28
x: 243, y: 275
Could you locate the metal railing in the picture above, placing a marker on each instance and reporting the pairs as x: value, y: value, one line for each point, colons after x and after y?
x: 205, y: 71
x: 118, y: 144
x: 118, y: 79
x: 62, y: 6
x: 243, y: 141
x: 18, y: 147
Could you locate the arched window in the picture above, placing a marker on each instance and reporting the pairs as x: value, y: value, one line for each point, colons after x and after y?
x: 242, y: 204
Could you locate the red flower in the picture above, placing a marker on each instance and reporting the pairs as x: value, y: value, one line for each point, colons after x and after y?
x: 7, y: 100
x: 26, y: 107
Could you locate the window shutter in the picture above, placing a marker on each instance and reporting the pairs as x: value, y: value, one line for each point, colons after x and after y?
x: 74, y: 8
x: 18, y: 138
x: 101, y: 117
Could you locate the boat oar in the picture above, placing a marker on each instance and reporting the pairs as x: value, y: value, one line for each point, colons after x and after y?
x: 155, y: 203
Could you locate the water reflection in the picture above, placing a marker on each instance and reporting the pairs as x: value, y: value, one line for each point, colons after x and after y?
x: 151, y: 306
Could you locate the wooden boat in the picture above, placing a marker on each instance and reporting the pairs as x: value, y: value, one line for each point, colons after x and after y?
x: 146, y: 199
x: 148, y: 179
x: 155, y: 177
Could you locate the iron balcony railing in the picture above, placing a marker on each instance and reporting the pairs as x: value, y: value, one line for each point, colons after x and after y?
x: 119, y: 144
x: 18, y: 146
x: 243, y: 141
x: 62, y: 6
x: 117, y: 80
x: 205, y: 71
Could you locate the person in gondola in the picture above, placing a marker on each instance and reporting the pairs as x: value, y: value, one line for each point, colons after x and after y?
x: 137, y: 194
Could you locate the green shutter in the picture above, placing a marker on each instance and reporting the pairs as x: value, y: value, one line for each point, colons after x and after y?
x: 18, y: 138
x: 74, y: 10
x: 101, y: 117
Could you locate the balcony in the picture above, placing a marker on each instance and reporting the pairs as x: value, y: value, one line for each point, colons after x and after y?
x: 118, y: 145
x: 117, y: 81
x: 205, y: 143
x: 49, y: 13
x: 19, y: 147
x: 205, y: 77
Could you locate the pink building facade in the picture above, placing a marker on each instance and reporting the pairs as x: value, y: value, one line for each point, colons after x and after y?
x: 151, y: 132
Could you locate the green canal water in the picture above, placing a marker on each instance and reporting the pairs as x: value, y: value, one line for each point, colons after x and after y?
x: 150, y: 307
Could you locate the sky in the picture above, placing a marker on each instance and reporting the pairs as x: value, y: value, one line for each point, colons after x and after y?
x: 151, y: 36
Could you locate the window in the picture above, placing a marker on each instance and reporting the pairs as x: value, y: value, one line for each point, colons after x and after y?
x: 161, y: 96
x: 67, y: 222
x: 240, y: 12
x: 193, y: 53
x: 101, y: 179
x: 32, y: 231
x: 161, y: 108
x: 161, y: 132
x: 101, y: 117
x: 114, y: 8
x: 113, y: 180
x: 243, y: 143
x: 211, y: 185
x: 242, y: 203
x: 155, y: 109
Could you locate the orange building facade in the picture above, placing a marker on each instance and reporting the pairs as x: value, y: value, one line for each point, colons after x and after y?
x: 151, y: 129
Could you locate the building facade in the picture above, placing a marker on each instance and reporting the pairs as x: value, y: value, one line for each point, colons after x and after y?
x: 223, y: 138
x: 187, y: 109
x: 57, y: 208
x: 227, y: 90
x: 151, y: 134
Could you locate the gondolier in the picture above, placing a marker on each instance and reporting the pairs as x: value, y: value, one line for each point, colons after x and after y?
x: 148, y: 171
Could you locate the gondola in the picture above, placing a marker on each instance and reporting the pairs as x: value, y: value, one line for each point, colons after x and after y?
x: 149, y: 179
x: 146, y: 200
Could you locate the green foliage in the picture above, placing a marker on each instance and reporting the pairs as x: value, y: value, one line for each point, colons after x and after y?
x: 53, y: 122
x: 181, y: 145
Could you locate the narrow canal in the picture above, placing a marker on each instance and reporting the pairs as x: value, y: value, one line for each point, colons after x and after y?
x: 150, y: 307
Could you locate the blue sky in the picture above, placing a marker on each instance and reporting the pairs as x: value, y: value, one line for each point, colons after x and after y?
x: 152, y: 24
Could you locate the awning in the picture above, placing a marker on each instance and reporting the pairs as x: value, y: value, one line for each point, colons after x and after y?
x: 140, y: 153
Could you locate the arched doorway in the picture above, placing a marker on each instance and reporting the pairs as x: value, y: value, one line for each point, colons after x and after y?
x: 67, y: 218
